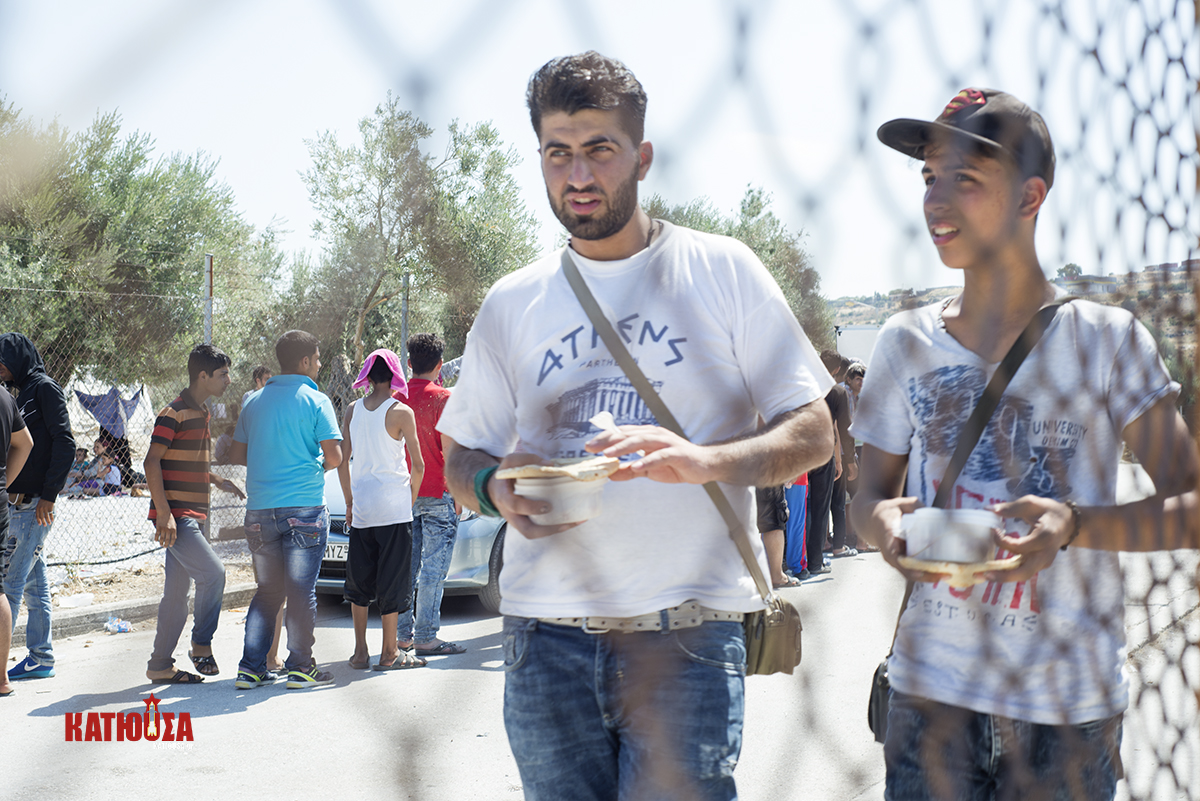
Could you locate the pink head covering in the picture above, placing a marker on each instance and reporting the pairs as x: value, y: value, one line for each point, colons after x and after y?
x: 393, y: 363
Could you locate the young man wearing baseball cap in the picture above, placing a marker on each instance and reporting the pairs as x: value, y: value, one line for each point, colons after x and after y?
x: 1012, y: 686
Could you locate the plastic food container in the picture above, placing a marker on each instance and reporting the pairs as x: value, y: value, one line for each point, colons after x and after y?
x: 950, y: 535
x: 571, y: 500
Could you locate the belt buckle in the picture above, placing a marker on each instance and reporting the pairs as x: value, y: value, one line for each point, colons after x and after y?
x: 587, y: 629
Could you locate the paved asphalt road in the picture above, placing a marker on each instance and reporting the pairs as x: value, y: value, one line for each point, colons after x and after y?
x: 437, y: 732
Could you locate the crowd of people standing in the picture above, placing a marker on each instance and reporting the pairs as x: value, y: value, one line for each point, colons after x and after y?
x: 625, y: 679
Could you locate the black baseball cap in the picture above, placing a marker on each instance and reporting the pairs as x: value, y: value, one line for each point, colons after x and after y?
x: 993, y: 119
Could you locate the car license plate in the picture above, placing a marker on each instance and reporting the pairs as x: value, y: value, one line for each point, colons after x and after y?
x: 336, y: 551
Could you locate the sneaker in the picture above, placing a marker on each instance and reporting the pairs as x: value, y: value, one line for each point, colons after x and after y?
x: 309, y: 677
x: 30, y: 668
x: 248, y: 681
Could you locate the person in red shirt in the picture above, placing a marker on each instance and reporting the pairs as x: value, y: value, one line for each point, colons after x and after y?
x: 435, y: 515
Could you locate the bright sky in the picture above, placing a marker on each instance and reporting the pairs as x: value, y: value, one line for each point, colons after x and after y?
x: 793, y: 109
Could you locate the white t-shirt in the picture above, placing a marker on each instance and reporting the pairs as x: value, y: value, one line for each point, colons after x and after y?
x: 379, y: 477
x: 713, y: 334
x: 1048, y: 650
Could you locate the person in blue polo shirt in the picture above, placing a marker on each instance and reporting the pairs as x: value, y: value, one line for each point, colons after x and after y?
x: 287, y: 436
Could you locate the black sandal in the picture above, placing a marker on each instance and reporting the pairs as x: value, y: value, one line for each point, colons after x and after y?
x: 206, y: 665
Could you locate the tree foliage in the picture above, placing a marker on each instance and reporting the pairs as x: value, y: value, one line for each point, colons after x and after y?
x: 387, y: 210
x: 756, y: 226
x: 480, y: 230
x: 102, y: 245
x: 373, y: 199
x: 1071, y: 270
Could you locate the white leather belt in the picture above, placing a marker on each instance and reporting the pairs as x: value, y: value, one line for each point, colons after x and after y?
x: 685, y: 616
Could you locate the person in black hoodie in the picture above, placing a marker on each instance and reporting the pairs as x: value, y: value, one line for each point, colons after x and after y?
x: 32, y: 496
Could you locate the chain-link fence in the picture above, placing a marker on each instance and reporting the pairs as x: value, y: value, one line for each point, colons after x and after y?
x: 1117, y: 83
x: 118, y: 367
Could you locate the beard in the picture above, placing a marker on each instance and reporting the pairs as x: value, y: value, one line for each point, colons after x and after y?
x: 622, y: 205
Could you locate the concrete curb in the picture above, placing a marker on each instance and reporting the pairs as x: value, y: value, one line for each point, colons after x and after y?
x: 69, y: 622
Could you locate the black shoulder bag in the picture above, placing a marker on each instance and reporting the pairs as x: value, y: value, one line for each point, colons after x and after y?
x: 877, y: 706
x: 773, y: 634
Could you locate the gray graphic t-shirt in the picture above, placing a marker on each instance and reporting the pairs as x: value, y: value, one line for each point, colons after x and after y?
x: 1048, y: 650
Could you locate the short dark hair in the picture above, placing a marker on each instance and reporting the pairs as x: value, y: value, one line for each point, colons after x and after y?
x: 424, y: 352
x: 856, y: 370
x: 206, y: 358
x: 587, y: 80
x: 293, y: 346
x: 831, y: 359
x: 380, y: 373
x: 262, y: 371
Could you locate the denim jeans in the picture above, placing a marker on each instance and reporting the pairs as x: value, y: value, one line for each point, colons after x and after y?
x: 641, y: 715
x: 935, y: 751
x: 189, y: 558
x: 434, y: 528
x: 287, y: 545
x: 23, y: 572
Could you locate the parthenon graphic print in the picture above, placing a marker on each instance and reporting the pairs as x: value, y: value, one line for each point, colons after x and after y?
x: 570, y: 414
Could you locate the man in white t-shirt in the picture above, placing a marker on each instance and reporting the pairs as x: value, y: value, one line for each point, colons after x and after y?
x: 592, y: 712
x: 1011, y: 687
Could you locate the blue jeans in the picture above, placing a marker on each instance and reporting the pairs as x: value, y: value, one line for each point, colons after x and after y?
x: 191, y: 557
x: 23, y: 572
x: 434, y: 528
x: 287, y: 545
x: 607, y: 716
x: 936, y: 751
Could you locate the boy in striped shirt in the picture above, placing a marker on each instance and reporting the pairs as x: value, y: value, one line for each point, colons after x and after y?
x: 178, y: 477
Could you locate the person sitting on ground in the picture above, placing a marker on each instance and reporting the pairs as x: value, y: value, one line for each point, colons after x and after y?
x: 379, y: 495
x: 78, y: 466
x: 104, y: 478
x: 177, y: 470
x: 112, y: 477
x: 90, y: 477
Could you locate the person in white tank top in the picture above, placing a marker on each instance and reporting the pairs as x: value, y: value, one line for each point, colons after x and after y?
x: 379, y: 493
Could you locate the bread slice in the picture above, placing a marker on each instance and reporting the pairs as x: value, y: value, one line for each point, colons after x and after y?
x: 586, y: 468
x: 961, y: 575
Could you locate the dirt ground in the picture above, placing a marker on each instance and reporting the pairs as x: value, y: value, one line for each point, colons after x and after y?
x: 139, y: 582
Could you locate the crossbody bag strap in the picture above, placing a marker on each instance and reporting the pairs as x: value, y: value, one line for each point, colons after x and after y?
x: 661, y: 413
x: 977, y: 422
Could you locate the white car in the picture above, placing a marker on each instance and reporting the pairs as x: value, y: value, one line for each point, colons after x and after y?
x: 474, y: 566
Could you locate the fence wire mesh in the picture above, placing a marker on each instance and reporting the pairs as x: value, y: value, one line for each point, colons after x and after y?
x: 1116, y: 81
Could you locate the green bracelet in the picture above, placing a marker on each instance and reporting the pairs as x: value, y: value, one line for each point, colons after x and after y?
x: 486, y: 507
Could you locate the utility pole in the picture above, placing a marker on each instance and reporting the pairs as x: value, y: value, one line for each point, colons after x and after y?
x: 404, y: 328
x: 207, y: 294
